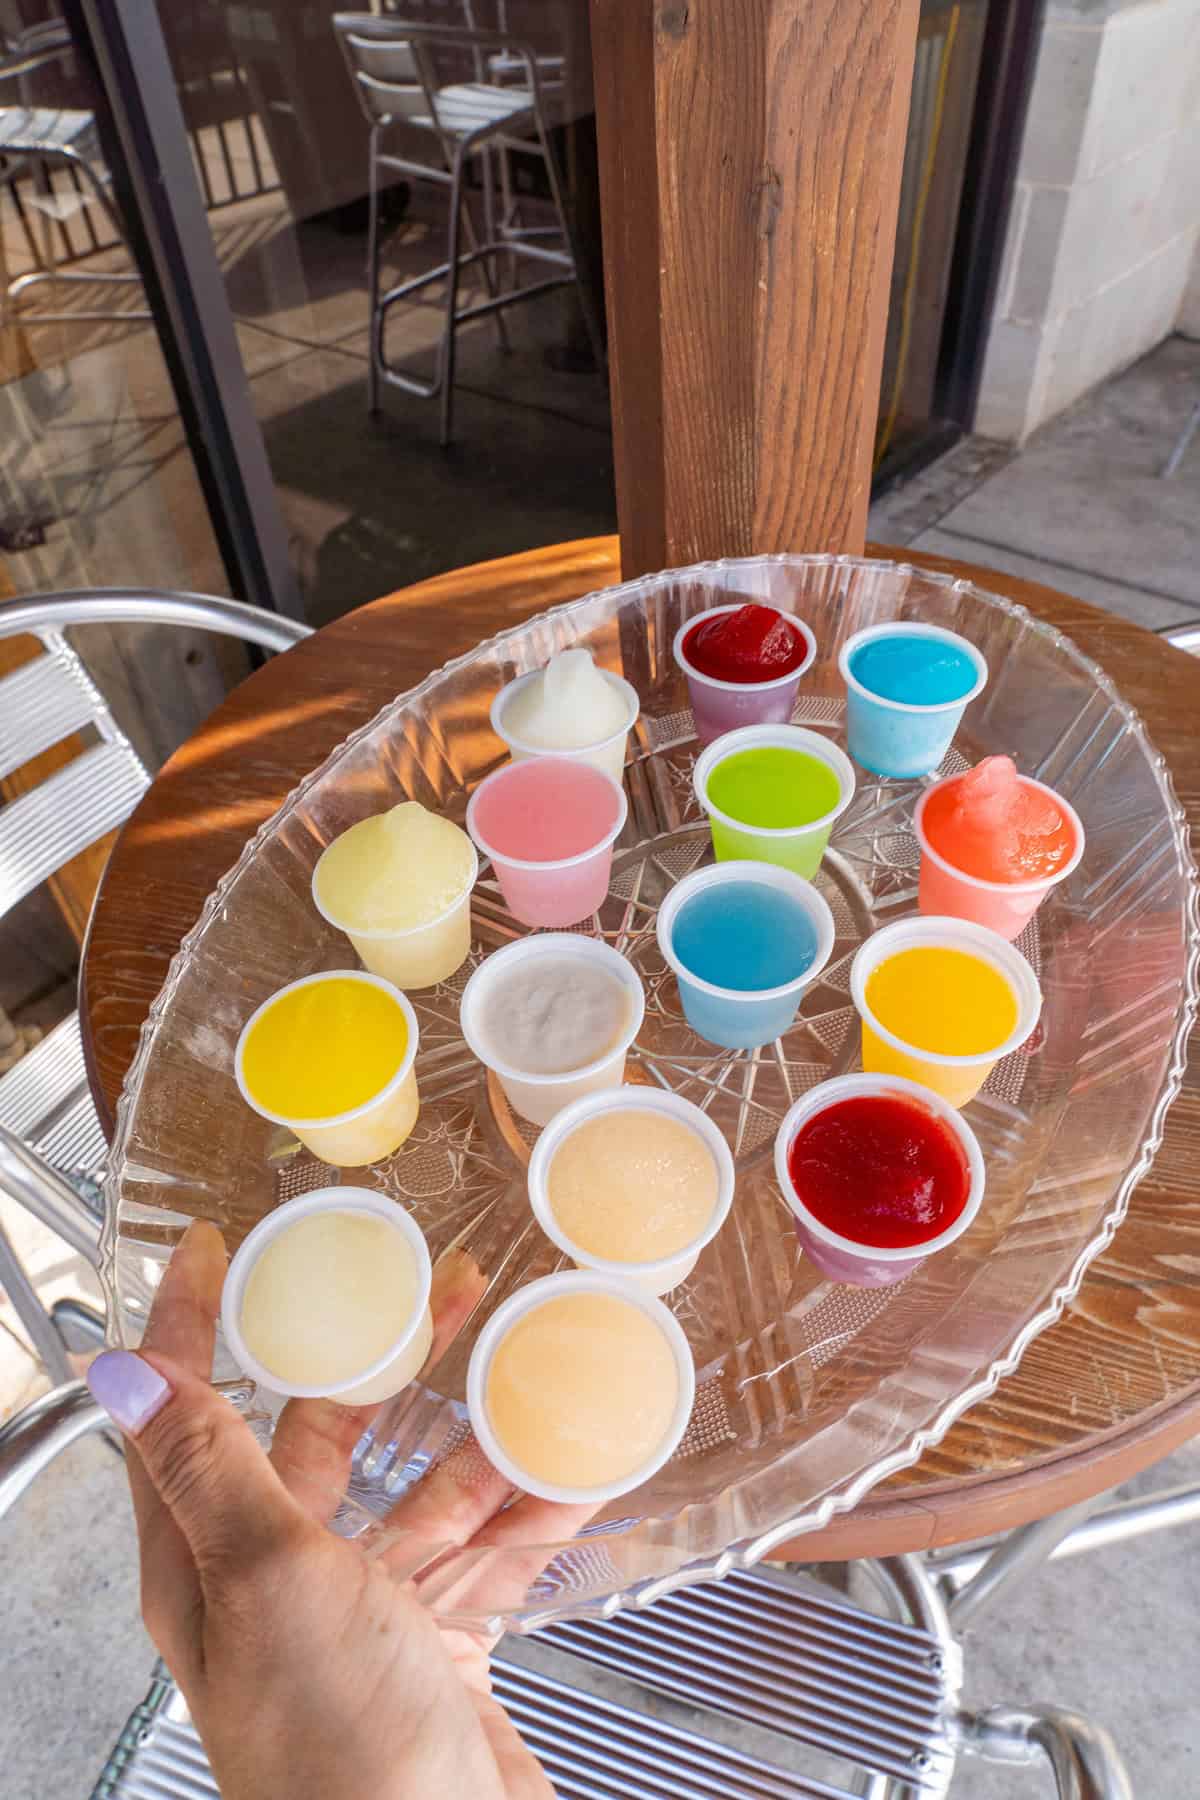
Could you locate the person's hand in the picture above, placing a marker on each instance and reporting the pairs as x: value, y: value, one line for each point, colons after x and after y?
x: 312, y: 1669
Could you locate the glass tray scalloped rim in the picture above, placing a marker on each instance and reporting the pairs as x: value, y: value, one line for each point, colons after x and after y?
x: 848, y: 1495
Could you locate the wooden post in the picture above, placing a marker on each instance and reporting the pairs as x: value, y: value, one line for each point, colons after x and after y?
x: 750, y: 155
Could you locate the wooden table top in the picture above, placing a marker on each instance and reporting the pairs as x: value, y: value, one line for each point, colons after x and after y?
x: 1125, y: 1359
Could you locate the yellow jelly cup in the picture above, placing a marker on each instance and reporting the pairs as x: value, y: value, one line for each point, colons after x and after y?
x: 419, y: 957
x: 367, y: 1132
x: 956, y: 1079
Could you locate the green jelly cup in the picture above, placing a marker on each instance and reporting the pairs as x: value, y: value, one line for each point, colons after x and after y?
x: 795, y: 847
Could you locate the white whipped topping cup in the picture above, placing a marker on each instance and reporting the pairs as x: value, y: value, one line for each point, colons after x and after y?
x: 554, y: 1287
x: 606, y: 754
x: 666, y: 1272
x: 537, y: 1097
x: 414, y: 1332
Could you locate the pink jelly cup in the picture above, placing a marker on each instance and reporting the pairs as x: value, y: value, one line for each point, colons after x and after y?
x: 721, y: 706
x: 842, y: 1258
x: 558, y: 891
x: 1005, y: 907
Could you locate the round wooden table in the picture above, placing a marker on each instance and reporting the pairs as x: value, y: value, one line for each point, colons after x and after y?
x: 1112, y: 1387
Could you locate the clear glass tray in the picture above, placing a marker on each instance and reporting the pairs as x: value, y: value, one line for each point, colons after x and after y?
x: 808, y: 1392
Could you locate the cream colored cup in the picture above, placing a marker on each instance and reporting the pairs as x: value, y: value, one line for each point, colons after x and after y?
x: 421, y: 956
x: 414, y: 1333
x: 525, y: 1300
x: 366, y: 1133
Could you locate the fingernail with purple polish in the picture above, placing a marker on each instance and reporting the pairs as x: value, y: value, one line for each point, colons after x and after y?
x: 128, y: 1389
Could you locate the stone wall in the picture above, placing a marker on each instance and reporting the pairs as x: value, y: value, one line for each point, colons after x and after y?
x: 1106, y: 216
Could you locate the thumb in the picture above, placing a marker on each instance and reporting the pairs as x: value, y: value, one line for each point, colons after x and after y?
x: 200, y: 1455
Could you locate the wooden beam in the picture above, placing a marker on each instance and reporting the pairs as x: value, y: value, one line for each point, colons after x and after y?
x: 750, y: 155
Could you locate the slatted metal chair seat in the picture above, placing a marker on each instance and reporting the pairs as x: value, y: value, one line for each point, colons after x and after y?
x: 45, y: 1100
x: 32, y: 130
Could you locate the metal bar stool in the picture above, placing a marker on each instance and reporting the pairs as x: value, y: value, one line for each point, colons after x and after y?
x: 393, y: 65
x: 33, y: 142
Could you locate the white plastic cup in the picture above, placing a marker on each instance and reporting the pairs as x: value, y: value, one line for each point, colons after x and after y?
x: 896, y: 738
x: 555, y: 1287
x: 721, y: 706
x: 421, y: 956
x: 666, y: 1272
x: 414, y: 1334
x: 796, y: 847
x: 539, y: 1097
x: 606, y: 754
x: 562, y: 890
x: 743, y: 1018
x: 1004, y: 906
x: 956, y: 1079
x: 369, y: 1132
x: 843, y: 1258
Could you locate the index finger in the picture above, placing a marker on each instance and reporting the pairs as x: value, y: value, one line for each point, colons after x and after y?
x: 182, y: 1325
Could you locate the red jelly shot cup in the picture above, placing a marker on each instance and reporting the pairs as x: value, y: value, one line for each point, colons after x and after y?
x: 854, y: 1259
x: 721, y: 706
x: 548, y: 826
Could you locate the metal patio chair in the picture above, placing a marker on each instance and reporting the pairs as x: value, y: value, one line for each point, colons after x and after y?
x: 34, y: 141
x: 869, y: 1698
x: 393, y: 63
x: 47, y: 1117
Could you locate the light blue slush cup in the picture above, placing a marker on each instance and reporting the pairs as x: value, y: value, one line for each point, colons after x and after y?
x: 898, y: 738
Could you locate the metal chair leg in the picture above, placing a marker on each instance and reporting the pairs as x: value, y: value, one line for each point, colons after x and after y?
x: 43, y: 1335
x: 1083, y: 1756
x: 449, y: 329
x: 375, y: 335
x: 587, y: 300
x: 1020, y: 1553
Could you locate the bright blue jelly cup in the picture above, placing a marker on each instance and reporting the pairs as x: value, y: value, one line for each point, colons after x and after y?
x: 743, y: 1018
x: 899, y: 738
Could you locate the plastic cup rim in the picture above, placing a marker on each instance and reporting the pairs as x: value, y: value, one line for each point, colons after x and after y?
x: 743, y: 687
x: 933, y: 929
x: 321, y: 1200
x: 580, y: 751
x: 817, y: 1100
x: 527, y: 949
x: 913, y: 628
x: 750, y: 737
x: 537, y: 1293
x: 619, y: 1100
x: 384, y: 936
x: 1001, y: 888
x: 774, y: 875
x: 390, y: 1087
x: 561, y: 862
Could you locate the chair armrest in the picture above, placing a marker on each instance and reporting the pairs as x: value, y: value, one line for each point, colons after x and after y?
x: 32, y: 1439
x: 150, y: 606
x: 42, y: 1191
